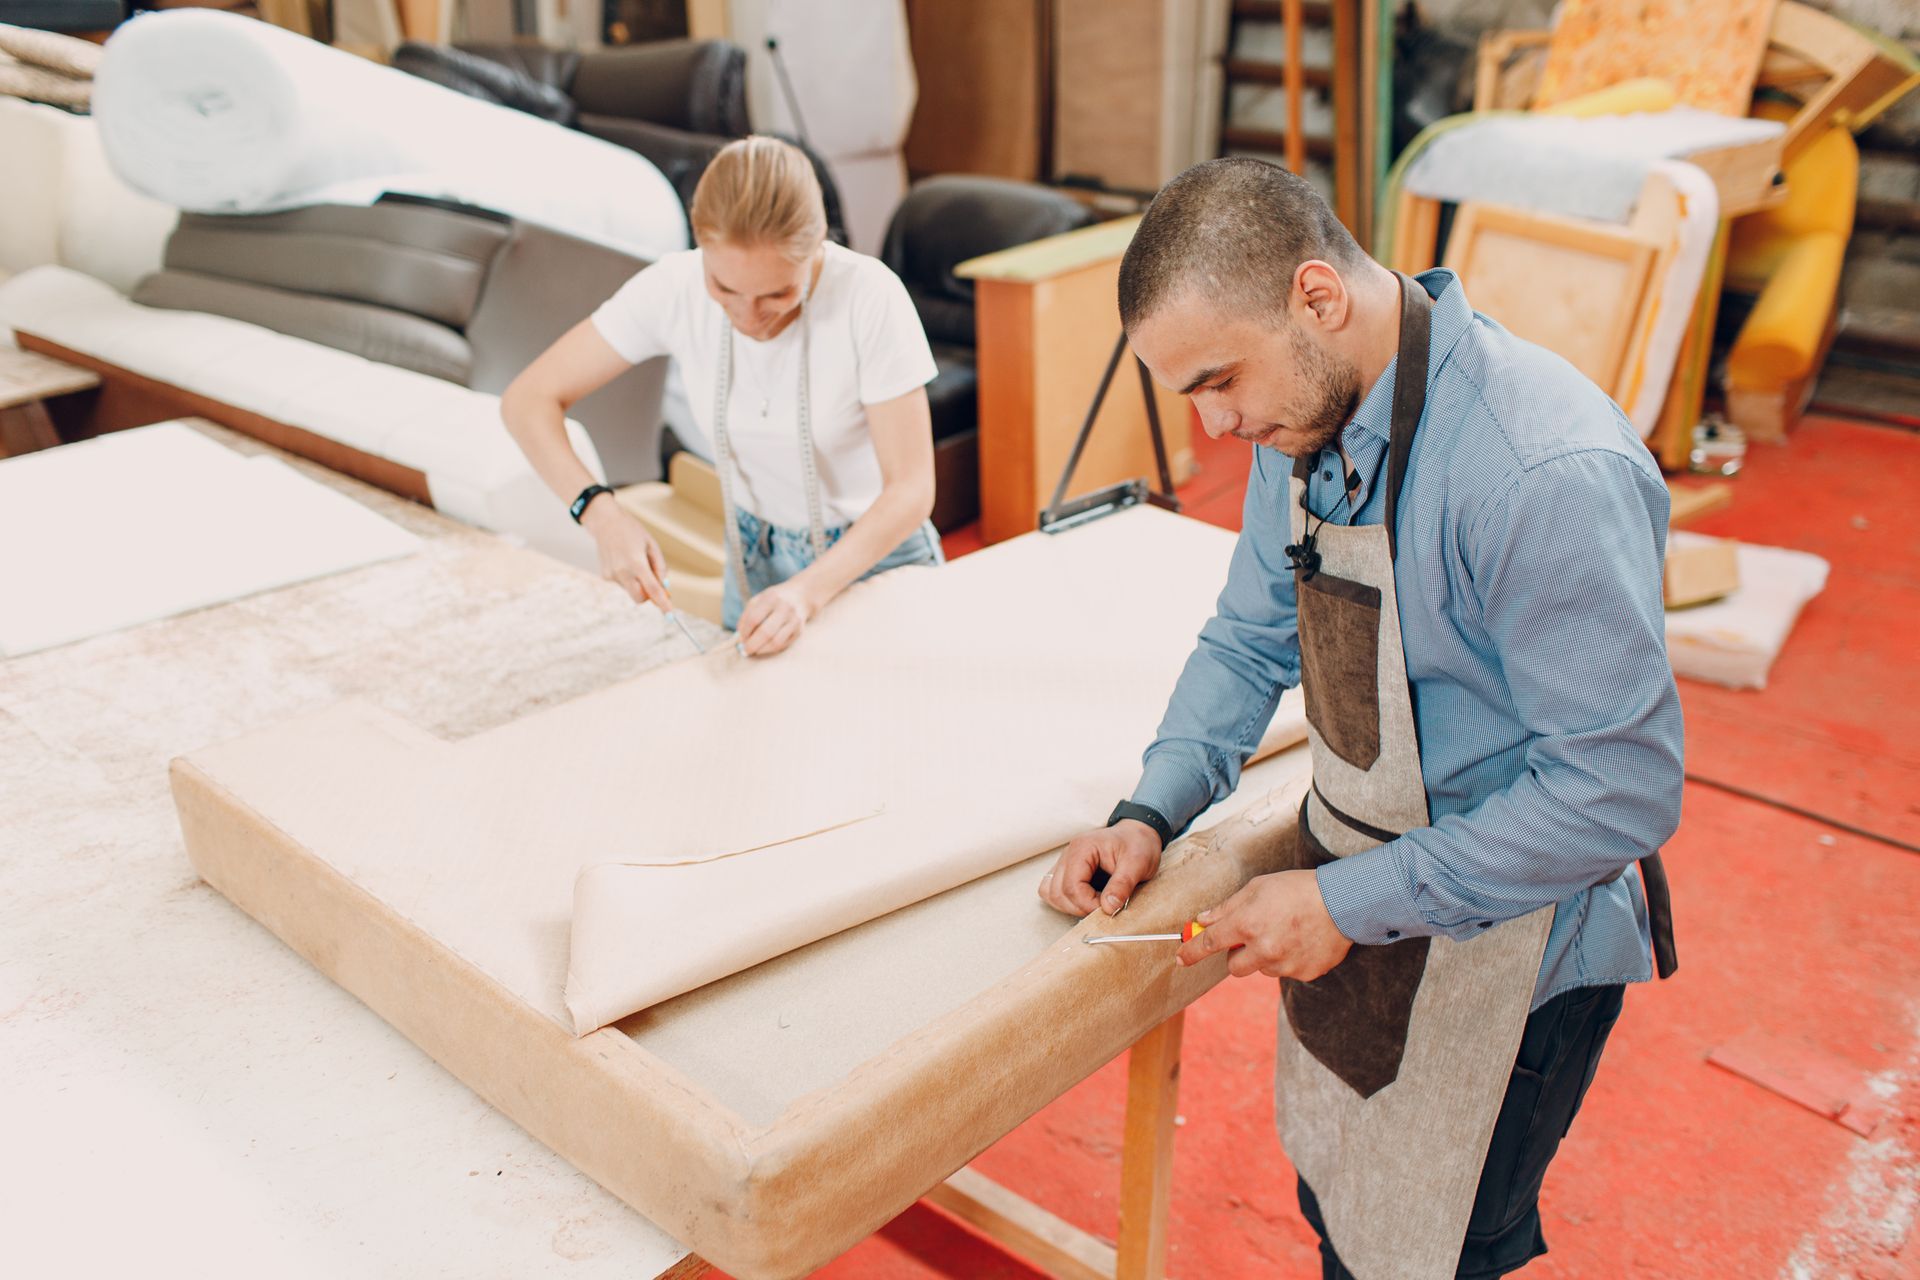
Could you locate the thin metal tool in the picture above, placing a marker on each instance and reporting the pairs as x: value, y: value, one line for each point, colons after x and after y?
x: 686, y: 631
x: 1193, y: 930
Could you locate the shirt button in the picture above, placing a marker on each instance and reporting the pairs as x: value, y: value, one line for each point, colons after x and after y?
x: 1326, y: 475
x: 1392, y: 934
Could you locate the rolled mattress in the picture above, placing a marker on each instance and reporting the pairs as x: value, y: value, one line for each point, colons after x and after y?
x: 221, y: 114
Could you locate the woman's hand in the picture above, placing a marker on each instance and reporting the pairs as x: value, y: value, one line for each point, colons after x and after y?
x: 774, y: 619
x: 629, y: 557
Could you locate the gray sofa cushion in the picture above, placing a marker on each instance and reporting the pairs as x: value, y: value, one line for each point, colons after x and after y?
x: 378, y: 333
x: 402, y: 256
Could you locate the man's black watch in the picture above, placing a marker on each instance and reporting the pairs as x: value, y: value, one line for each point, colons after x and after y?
x: 1143, y: 813
x: 588, y: 494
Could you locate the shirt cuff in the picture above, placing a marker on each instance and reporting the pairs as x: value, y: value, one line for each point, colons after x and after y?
x: 1368, y: 897
x: 1175, y: 790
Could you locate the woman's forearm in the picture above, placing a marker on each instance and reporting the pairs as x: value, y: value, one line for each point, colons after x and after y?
x: 897, y: 512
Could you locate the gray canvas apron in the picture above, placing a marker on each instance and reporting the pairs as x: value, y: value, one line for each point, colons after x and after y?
x: 1391, y: 1068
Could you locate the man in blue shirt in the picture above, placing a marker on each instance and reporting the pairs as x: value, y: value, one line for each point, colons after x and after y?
x: 1509, y: 551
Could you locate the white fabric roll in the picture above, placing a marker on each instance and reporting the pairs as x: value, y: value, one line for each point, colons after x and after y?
x: 220, y: 114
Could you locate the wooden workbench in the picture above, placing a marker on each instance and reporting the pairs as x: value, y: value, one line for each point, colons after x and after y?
x: 161, y: 1036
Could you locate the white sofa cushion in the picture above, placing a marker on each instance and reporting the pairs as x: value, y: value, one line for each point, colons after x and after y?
x: 448, y: 433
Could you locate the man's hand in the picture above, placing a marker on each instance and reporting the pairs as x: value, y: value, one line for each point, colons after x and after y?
x: 1128, y: 851
x: 774, y: 619
x: 1280, y: 925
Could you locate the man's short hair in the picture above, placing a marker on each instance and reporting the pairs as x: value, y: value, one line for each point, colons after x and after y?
x: 1235, y: 230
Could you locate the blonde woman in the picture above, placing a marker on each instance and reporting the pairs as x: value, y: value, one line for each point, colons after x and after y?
x: 806, y: 367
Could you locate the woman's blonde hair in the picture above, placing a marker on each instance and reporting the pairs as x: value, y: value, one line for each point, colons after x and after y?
x: 761, y: 190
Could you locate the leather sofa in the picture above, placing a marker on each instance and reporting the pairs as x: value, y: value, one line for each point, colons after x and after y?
x: 676, y: 102
x: 453, y: 292
x: 369, y: 339
x: 943, y: 222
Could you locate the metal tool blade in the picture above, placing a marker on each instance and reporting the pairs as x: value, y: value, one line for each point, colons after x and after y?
x: 681, y: 623
x: 1133, y: 937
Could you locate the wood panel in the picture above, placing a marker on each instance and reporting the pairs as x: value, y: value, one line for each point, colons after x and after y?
x: 1709, y: 50
x: 1575, y: 288
x: 1110, y: 92
x: 981, y: 67
x: 1042, y: 348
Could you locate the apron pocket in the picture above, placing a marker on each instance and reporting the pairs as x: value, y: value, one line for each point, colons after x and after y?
x: 1353, y: 1019
x: 1340, y: 664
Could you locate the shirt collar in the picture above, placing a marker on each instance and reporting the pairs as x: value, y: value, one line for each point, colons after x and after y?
x: 1366, y: 437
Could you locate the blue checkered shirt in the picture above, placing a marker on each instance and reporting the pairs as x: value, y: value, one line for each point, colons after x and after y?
x: 1532, y: 528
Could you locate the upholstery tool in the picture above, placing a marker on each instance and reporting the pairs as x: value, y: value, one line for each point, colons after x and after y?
x: 681, y: 623
x: 1193, y: 930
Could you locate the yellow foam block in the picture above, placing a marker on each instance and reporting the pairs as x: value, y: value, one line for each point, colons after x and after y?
x: 1784, y: 331
x: 1644, y: 94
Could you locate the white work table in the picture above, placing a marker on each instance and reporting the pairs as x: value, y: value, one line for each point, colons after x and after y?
x: 179, y: 1092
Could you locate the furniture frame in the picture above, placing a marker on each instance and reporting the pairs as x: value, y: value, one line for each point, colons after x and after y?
x: 1840, y: 77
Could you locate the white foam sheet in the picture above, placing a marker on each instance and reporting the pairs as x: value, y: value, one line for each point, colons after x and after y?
x: 216, y: 113
x: 149, y: 523
x: 1686, y: 266
x: 1734, y: 641
x: 1582, y: 167
x: 932, y: 726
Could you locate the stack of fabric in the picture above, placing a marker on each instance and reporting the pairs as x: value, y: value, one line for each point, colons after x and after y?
x: 42, y: 66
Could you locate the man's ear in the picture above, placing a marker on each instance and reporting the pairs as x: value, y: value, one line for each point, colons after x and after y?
x: 1319, y: 289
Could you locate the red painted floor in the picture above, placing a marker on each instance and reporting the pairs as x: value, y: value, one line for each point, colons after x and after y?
x: 1790, y: 925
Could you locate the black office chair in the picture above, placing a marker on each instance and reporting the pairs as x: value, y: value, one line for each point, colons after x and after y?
x: 943, y: 222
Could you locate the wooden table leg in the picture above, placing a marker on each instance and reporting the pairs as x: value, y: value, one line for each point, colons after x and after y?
x: 1063, y: 1250
x: 25, y: 428
x: 1146, y: 1160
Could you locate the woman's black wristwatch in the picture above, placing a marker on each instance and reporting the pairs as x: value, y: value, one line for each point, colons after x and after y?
x: 1143, y: 813
x: 588, y: 494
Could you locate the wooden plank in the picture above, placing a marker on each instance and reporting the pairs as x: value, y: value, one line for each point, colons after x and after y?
x: 1039, y: 260
x: 291, y: 14
x: 1346, y: 114
x: 420, y: 19
x: 1258, y: 71
x: 1146, y: 1162
x: 708, y: 20
x: 691, y: 1267
x: 129, y: 399
x: 1822, y: 1082
x: 1295, y: 140
x: 1110, y: 93
x: 1056, y: 1247
x: 1691, y: 501
x: 981, y: 101
x: 1003, y: 318
x: 1315, y: 13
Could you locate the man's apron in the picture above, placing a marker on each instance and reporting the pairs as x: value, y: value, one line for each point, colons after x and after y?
x: 1391, y: 1067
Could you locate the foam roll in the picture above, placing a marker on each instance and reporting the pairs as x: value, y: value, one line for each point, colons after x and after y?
x: 217, y: 113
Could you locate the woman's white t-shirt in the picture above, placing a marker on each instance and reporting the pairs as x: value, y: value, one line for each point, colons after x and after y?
x: 867, y: 348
